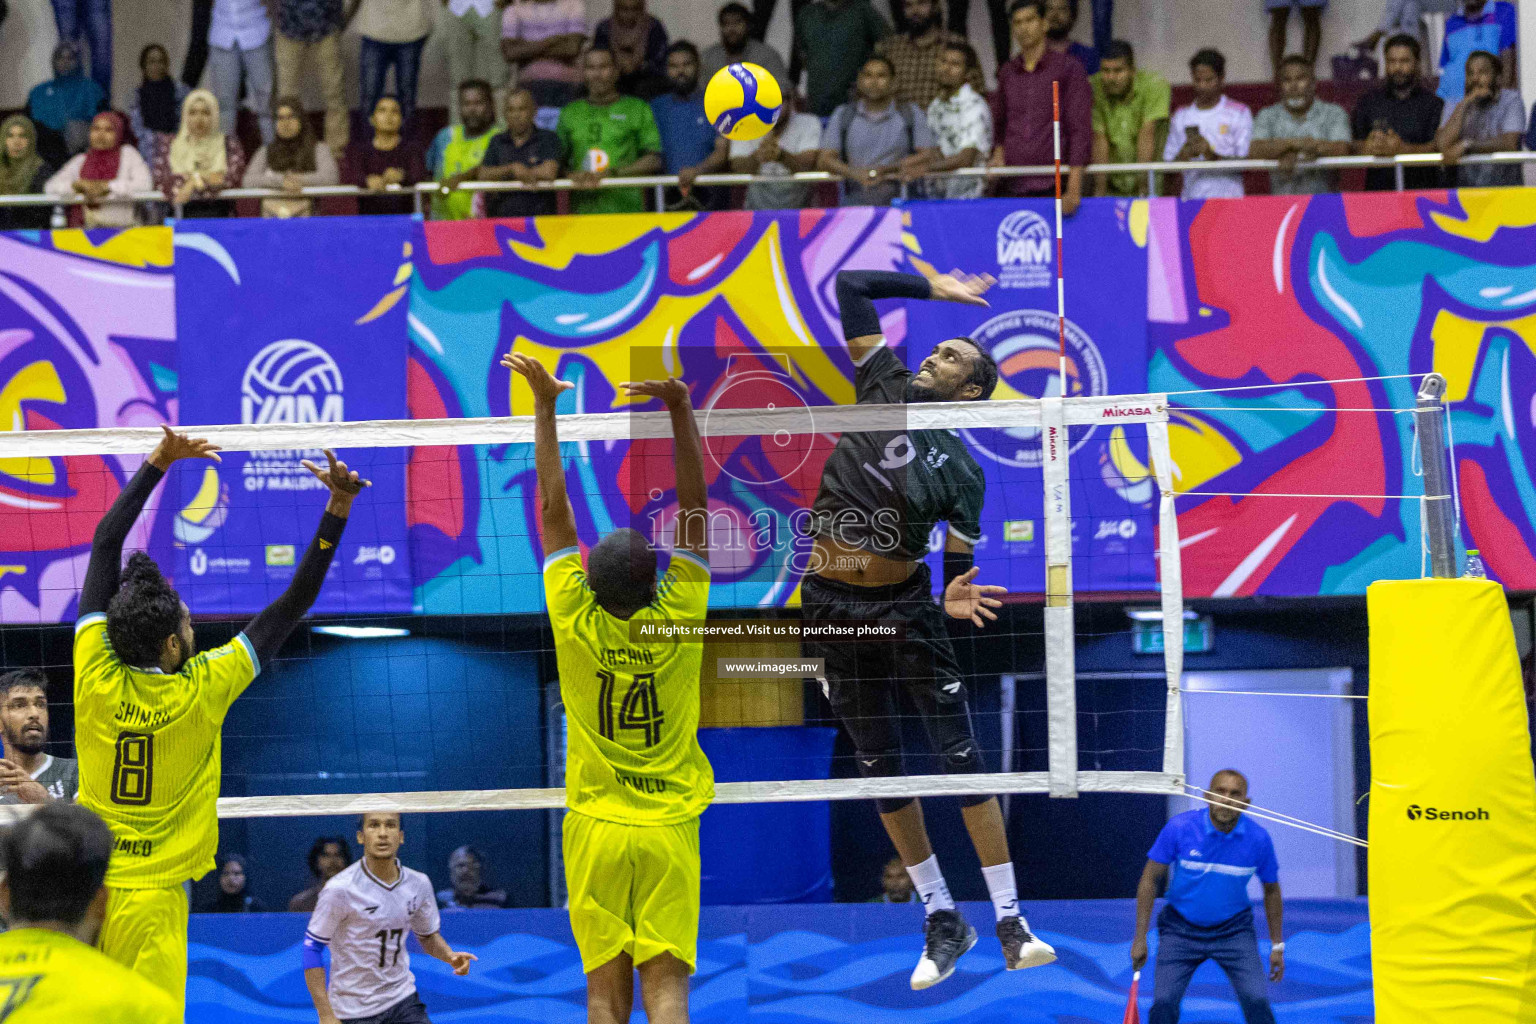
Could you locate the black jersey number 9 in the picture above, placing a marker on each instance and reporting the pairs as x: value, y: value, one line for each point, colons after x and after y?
x: 639, y: 711
x: 133, y: 769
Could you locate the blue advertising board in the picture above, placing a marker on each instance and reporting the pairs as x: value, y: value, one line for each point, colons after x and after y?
x: 268, y: 340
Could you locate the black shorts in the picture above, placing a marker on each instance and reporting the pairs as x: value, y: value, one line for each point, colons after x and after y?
x: 862, y: 677
x: 410, y: 1010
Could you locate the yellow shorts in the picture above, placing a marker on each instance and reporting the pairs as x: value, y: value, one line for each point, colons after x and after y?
x: 633, y: 889
x: 146, y: 932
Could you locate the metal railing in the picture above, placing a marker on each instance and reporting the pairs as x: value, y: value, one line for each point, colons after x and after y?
x: 659, y: 182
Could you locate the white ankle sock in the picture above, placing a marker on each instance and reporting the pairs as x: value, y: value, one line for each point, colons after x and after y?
x: 931, y: 889
x: 1004, y: 890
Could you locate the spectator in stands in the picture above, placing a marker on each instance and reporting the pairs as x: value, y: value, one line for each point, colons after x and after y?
x: 961, y: 124
x: 240, y: 52
x: 1488, y: 119
x: 201, y: 161
x: 915, y: 54
x: 22, y: 173
x: 607, y: 135
x: 458, y: 149
x: 544, y: 39
x: 66, y: 103
x: 524, y: 152
x: 1405, y: 17
x: 232, y: 895
x: 469, y: 891
x: 293, y: 161
x: 311, y: 30
x: 327, y: 857
x: 157, y: 101
x: 1300, y: 127
x: 836, y: 36
x: 1022, y: 130
x: 690, y: 146
x: 1130, y: 118
x: 1482, y: 25
x: 28, y: 773
x: 874, y: 143
x: 110, y: 168
x: 1060, y: 16
x: 638, y: 43
x: 736, y: 46
x: 387, y: 157
x: 1311, y: 30
x: 791, y: 147
x: 895, y: 884
x: 1213, y: 127
x: 1402, y: 116
x: 91, y: 21
x: 470, y: 30
x: 394, y: 32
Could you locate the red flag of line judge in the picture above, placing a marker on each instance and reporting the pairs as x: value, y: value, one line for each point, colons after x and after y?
x: 1132, y: 1007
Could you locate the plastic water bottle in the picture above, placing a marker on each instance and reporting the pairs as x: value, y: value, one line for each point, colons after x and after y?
x: 1474, y: 569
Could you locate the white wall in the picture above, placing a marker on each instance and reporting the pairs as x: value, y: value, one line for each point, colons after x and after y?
x: 1165, y: 33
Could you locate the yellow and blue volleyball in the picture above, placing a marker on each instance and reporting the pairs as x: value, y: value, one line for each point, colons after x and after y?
x: 743, y: 101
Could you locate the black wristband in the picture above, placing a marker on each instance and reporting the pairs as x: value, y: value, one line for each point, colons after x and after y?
x: 957, y: 563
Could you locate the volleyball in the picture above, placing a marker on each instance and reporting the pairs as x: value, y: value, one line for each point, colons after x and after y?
x: 743, y: 101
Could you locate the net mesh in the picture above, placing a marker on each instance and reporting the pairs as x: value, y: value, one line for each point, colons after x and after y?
x: 425, y: 679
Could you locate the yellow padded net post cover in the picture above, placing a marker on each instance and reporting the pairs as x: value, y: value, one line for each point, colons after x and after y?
x: 1453, y: 808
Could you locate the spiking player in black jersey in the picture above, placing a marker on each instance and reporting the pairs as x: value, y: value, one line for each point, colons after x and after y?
x: 881, y: 494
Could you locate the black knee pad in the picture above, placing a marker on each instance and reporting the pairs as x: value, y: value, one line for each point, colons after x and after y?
x: 963, y: 757
x: 883, y: 764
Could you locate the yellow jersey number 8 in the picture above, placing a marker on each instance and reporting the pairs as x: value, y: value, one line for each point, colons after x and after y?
x: 133, y: 768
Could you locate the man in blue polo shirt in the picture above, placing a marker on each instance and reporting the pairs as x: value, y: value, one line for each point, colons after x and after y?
x: 1213, y: 852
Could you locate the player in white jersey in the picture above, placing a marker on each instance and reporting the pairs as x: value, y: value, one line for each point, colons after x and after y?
x: 363, y: 915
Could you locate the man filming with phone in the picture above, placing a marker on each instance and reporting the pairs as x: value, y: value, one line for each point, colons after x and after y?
x: 1213, y: 127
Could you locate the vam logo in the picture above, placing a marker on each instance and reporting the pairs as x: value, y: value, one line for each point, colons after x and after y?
x: 198, y: 563
x: 292, y: 381
x: 1024, y: 251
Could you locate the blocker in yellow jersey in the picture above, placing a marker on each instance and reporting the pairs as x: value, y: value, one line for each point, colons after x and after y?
x: 636, y: 777
x: 149, y: 711
x: 631, y: 706
x: 149, y: 745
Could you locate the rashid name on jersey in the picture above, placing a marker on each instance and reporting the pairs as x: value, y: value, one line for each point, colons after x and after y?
x: 631, y: 703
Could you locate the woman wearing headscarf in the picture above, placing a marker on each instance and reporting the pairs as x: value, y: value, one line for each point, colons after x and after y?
x: 110, y: 168
x: 65, y: 104
x: 200, y: 161
x: 293, y: 160
x: 156, y: 110
x: 233, y: 896
x: 22, y: 172
x: 387, y: 157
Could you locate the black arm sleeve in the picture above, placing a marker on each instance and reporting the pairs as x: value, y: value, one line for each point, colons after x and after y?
x: 957, y: 563
x: 268, y: 630
x: 101, y: 574
x: 857, y: 290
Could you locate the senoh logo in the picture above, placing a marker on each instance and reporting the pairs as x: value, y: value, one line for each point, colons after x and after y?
x: 1417, y: 813
x: 292, y: 381
x: 1024, y: 251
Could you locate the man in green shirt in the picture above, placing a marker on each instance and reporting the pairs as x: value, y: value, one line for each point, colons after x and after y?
x: 1130, y: 118
x: 607, y: 135
x: 836, y: 37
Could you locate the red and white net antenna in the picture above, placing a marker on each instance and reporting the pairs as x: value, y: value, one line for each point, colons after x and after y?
x: 1061, y: 289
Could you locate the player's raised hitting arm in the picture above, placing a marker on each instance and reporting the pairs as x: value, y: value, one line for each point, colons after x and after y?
x: 103, y: 570
x: 557, y: 520
x: 857, y: 291
x: 692, y: 533
x: 269, y: 629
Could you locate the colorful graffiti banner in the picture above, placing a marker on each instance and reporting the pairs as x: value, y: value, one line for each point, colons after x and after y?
x: 1334, y: 300
x: 87, y: 339
x: 277, y: 327
x: 1113, y: 494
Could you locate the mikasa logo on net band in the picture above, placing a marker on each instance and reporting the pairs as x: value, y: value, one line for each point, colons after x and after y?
x: 1417, y: 813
